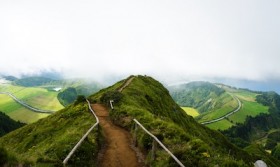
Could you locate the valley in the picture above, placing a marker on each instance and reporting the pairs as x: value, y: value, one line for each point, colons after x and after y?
x: 36, y: 97
x: 42, y: 94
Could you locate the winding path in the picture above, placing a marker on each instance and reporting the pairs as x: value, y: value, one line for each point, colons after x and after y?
x: 227, y: 115
x: 26, y: 105
x: 119, y: 150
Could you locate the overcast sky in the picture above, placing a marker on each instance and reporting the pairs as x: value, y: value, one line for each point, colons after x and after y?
x: 175, y: 40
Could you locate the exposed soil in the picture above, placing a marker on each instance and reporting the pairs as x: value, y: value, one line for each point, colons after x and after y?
x: 118, y: 150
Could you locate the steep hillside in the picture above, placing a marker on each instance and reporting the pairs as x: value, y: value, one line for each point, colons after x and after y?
x: 210, y: 100
x: 150, y: 103
x: 200, y: 95
x: 7, y: 124
x: 49, y: 140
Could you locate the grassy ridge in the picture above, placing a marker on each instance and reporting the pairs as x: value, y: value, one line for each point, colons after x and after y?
x: 150, y: 103
x: 49, y: 140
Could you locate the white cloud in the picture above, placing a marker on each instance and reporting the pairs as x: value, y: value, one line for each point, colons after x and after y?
x: 170, y: 39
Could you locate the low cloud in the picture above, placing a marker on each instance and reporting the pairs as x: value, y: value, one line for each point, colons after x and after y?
x: 178, y: 40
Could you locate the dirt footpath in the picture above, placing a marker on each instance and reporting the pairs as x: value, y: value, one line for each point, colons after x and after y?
x: 118, y: 150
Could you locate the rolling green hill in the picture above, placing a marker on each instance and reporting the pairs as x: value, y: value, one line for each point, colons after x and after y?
x: 50, y: 139
x: 216, y: 100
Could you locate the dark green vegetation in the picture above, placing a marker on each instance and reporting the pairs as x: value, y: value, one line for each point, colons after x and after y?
x: 264, y: 129
x: 49, y: 140
x: 150, y: 103
x: 67, y: 96
x: 7, y: 124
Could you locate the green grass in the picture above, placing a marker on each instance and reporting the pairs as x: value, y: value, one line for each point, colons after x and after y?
x: 49, y: 140
x: 37, y: 97
x: 248, y: 109
x: 191, y: 111
x: 220, y: 125
x: 228, y: 105
x: 246, y: 95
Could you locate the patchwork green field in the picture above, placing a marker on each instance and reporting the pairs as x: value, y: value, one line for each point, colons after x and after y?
x: 35, y: 96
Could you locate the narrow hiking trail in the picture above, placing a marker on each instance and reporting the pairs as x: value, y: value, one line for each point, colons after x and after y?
x: 126, y: 84
x: 118, y: 151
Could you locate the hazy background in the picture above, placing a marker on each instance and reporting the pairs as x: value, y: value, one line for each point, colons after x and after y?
x: 174, y: 41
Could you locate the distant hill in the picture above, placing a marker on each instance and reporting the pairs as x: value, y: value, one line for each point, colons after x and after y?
x: 7, y: 124
x: 203, y: 96
x: 10, y: 78
x: 32, y: 81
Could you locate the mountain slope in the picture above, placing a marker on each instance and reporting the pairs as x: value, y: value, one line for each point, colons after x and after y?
x: 7, y: 124
x: 200, y: 95
x: 211, y: 101
x: 150, y: 103
x: 49, y: 140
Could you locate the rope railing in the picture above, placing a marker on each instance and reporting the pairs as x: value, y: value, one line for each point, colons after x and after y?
x: 83, y: 138
x: 159, y: 142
